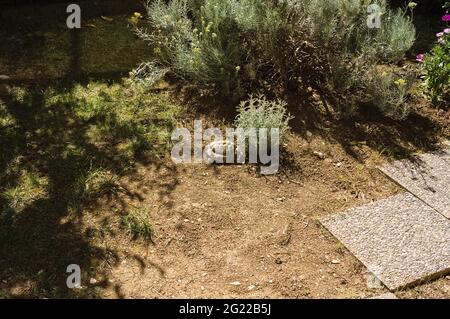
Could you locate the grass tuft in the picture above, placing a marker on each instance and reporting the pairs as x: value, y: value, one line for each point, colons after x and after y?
x: 137, y: 224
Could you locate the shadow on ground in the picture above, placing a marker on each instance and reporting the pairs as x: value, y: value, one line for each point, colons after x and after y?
x: 51, y: 173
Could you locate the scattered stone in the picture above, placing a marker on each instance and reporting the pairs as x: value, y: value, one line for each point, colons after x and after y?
x: 235, y: 283
x: 4, y: 77
x: 401, y: 240
x: 320, y: 155
x: 251, y: 287
x: 92, y: 281
x: 335, y: 261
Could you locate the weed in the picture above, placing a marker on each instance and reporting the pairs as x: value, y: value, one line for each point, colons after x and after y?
x: 74, y: 144
x: 137, y: 224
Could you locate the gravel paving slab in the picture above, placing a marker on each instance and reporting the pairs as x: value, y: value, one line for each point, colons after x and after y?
x: 426, y: 176
x: 388, y: 295
x: 401, y: 240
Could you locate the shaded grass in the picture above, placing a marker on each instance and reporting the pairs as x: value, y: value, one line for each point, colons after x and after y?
x: 63, y: 151
x: 38, y: 46
x: 65, y: 147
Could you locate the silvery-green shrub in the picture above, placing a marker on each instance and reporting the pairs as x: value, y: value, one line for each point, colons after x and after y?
x: 235, y: 45
x: 258, y: 112
x: 213, y: 41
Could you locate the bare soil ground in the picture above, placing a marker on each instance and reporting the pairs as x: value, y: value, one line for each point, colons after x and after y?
x: 226, y: 231
x: 221, y: 226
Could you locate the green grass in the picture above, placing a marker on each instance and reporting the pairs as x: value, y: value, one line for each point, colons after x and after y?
x: 87, y: 135
x: 63, y: 154
x: 29, y: 187
x: 68, y: 136
x: 137, y: 223
x: 39, y: 46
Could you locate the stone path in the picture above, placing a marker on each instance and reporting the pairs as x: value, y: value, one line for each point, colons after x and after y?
x: 426, y: 176
x: 401, y: 240
x: 404, y: 239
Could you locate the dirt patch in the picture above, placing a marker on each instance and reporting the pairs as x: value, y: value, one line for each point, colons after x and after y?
x: 224, y: 231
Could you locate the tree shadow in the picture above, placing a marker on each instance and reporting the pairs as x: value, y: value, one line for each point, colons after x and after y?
x: 40, y: 49
x: 419, y: 132
x: 39, y: 239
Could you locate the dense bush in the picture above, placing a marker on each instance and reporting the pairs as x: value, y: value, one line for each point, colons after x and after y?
x: 234, y: 45
x: 437, y: 65
x: 213, y: 41
x: 346, y: 52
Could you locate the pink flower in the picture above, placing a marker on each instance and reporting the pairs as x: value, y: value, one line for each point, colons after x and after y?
x: 447, y: 31
x: 420, y: 57
x: 440, y: 34
x: 446, y: 17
